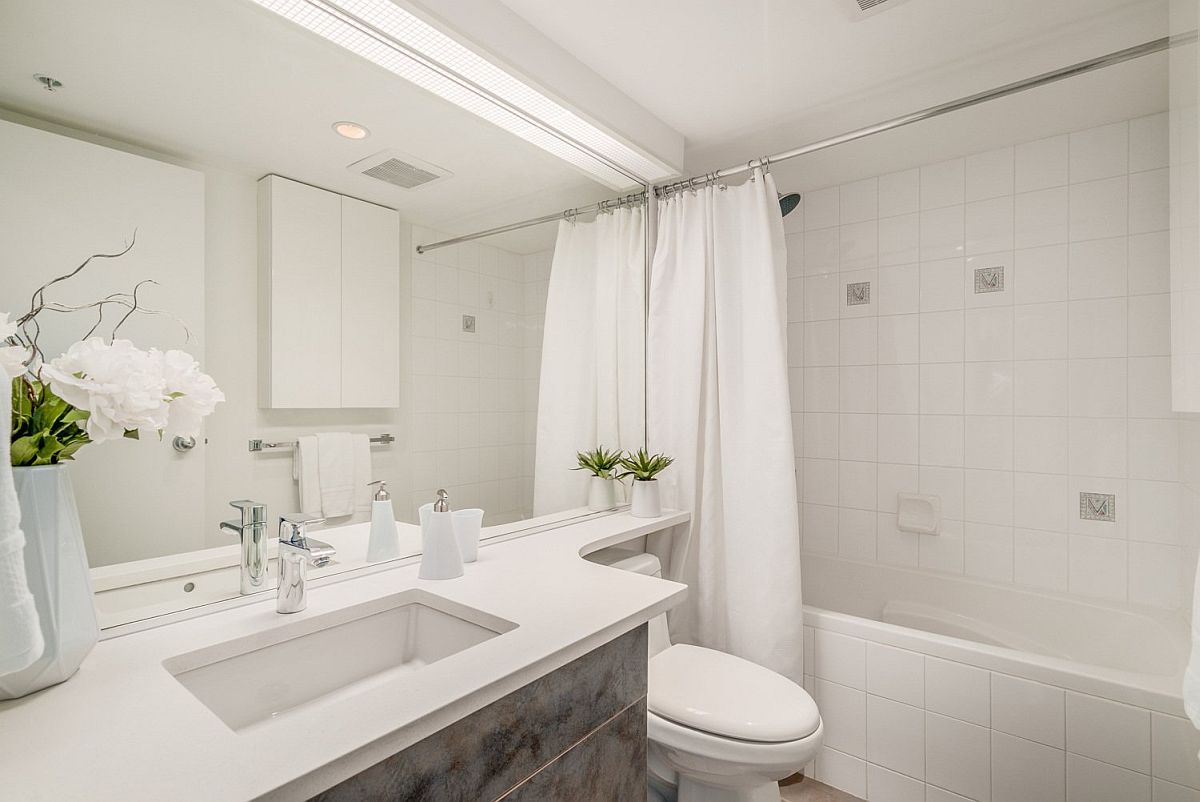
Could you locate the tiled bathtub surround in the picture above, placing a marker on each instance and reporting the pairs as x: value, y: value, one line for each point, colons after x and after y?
x: 905, y: 726
x: 1012, y: 356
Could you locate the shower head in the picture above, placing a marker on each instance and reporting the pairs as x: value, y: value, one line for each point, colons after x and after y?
x: 788, y: 202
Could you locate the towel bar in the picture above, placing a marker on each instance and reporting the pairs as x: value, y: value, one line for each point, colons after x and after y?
x: 263, y: 445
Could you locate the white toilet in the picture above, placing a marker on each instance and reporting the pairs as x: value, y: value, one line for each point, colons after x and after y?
x: 721, y: 729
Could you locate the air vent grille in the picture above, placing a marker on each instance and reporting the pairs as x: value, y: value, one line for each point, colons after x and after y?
x: 861, y: 9
x: 867, y: 5
x: 399, y: 169
x: 401, y: 173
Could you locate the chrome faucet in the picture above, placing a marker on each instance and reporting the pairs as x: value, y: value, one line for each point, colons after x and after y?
x: 296, y: 552
x: 252, y: 530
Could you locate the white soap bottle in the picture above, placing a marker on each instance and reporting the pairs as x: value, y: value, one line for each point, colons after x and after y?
x: 441, y: 557
x: 384, y: 543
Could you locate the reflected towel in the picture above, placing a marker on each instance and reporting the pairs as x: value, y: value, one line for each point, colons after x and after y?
x: 304, y: 471
x: 21, y: 642
x: 1191, y: 677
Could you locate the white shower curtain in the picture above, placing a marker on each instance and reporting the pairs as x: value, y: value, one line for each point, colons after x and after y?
x: 591, y: 386
x: 719, y: 404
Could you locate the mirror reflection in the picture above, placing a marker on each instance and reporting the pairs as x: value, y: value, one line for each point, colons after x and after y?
x: 256, y: 220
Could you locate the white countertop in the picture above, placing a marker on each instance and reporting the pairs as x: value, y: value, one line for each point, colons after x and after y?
x: 124, y: 728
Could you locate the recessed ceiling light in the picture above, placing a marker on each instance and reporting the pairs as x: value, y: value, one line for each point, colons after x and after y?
x: 351, y: 130
x: 387, y: 35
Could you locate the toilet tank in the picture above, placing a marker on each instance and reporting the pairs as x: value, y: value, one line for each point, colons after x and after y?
x: 638, y: 563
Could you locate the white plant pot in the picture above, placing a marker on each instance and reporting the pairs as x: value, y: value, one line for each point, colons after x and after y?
x: 647, y: 503
x: 602, y: 494
x: 57, y: 569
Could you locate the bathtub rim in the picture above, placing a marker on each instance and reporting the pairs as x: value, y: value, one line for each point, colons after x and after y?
x: 1160, y: 693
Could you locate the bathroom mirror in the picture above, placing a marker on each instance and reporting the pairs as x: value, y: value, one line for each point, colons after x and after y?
x: 148, y: 128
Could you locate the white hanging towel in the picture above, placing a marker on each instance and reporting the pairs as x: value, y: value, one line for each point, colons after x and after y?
x: 21, y: 642
x: 333, y: 470
x: 1191, y: 676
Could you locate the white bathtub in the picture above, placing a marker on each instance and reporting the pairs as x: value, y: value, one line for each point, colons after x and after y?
x: 992, y: 691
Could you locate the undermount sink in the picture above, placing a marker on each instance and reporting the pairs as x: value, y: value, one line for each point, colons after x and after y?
x: 260, y: 677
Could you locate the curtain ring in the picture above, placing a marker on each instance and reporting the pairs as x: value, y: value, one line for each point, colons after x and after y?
x: 766, y: 162
x: 750, y: 167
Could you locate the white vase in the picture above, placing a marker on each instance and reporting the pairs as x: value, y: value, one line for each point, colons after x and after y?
x: 57, y: 569
x: 647, y: 502
x: 602, y: 494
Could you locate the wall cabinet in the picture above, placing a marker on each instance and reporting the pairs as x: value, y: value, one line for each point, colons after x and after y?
x: 329, y: 299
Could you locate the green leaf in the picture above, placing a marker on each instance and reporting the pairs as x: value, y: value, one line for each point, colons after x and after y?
x: 132, y: 434
x: 24, y: 451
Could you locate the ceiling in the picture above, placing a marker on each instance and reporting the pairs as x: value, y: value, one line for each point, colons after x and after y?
x: 228, y: 84
x: 717, y: 71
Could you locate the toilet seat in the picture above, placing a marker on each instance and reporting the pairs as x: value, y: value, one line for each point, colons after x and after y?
x: 721, y: 695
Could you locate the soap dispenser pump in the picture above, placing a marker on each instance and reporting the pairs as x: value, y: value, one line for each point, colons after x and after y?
x: 441, y: 557
x: 384, y: 543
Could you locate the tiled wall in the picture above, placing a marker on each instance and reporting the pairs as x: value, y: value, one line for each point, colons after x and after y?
x: 471, y: 398
x: 994, y: 330
x: 902, y: 726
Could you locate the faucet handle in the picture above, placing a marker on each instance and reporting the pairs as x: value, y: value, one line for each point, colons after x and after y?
x: 253, y: 512
x: 292, y: 524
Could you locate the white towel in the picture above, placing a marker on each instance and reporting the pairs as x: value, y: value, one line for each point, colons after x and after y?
x: 333, y: 470
x: 304, y: 471
x: 1191, y: 677
x: 21, y: 641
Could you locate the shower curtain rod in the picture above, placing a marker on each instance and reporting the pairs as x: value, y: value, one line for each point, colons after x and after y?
x: 1117, y: 57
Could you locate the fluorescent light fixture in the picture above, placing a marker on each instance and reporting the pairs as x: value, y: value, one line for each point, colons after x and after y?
x: 395, y: 39
x: 351, y: 130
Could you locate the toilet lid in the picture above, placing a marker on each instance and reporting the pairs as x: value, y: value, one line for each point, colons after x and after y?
x: 725, y: 695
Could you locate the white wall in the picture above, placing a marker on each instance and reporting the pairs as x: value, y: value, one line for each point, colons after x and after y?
x: 1008, y: 404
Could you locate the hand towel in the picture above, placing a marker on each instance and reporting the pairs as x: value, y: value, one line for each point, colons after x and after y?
x: 304, y: 471
x: 363, y: 494
x: 336, y: 470
x: 21, y: 642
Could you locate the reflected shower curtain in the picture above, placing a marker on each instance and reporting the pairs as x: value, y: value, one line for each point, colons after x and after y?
x: 719, y: 404
x: 591, y: 386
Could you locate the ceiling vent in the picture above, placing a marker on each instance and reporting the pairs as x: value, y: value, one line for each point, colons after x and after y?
x: 861, y: 9
x: 400, y: 169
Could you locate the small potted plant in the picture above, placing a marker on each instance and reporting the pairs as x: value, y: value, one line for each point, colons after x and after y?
x: 602, y: 464
x: 644, y: 467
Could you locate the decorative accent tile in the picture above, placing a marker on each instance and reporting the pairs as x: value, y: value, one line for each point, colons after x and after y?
x: 469, y: 324
x: 858, y: 293
x: 1098, y: 507
x: 989, y: 279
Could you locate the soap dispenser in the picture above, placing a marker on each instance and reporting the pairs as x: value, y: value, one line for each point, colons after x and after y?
x: 441, y: 557
x: 384, y: 543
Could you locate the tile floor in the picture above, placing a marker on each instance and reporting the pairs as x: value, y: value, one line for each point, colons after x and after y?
x: 812, y: 791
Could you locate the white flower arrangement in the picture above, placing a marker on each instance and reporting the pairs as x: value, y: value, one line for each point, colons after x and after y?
x: 97, y: 390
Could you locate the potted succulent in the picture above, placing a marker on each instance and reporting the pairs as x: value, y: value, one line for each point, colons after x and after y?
x: 102, y: 388
x: 602, y: 464
x: 644, y: 467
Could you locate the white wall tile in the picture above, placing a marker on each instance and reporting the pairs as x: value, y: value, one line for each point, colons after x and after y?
x: 990, y: 174
x: 840, y: 658
x: 895, y: 479
x: 946, y: 484
x: 899, y: 339
x: 1042, y: 274
x: 1098, y: 328
x: 1163, y: 791
x: 1098, y: 567
x: 898, y: 439
x: 988, y: 497
x: 1040, y: 387
x: 821, y: 296
x: 1148, y: 143
x: 1040, y: 559
x: 941, y: 440
x: 1023, y: 770
x: 844, y: 713
x: 988, y: 334
x: 1154, y: 449
x: 897, y: 674
x: 1153, y: 578
x: 820, y: 525
x: 988, y: 388
x: 821, y: 343
x: 842, y: 771
x: 898, y: 388
x: 860, y: 201
x: 857, y: 484
x: 821, y: 250
x: 1100, y: 152
x: 988, y: 551
x: 1042, y: 163
x: 1041, y: 218
x: 1150, y: 325
x: 821, y: 482
x: 958, y: 757
x: 1108, y: 731
x: 822, y: 208
x: 1099, y: 209
x: 821, y: 435
x: 896, y: 736
x: 894, y: 547
x: 1098, y: 447
x: 989, y: 442
x: 935, y: 794
x: 1040, y: 445
x: 957, y: 690
x: 899, y: 290
x: 899, y: 193
x: 899, y: 239
x: 1153, y: 511
x: 857, y: 341
x: 858, y: 389
x: 942, y: 388
x: 1149, y: 202
x: 941, y: 284
x: 856, y: 533
x: 942, y: 336
x: 1041, y: 331
x: 943, y: 551
x: 1150, y: 387
x: 989, y: 225
x: 1092, y: 781
x: 888, y: 786
x: 1176, y: 743
x: 1029, y: 710
x: 943, y: 184
x: 1150, y: 260
x: 1098, y: 388
x: 858, y: 246
x: 1099, y: 268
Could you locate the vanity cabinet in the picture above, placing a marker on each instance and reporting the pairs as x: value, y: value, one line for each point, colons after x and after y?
x: 329, y: 299
x: 577, y: 733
